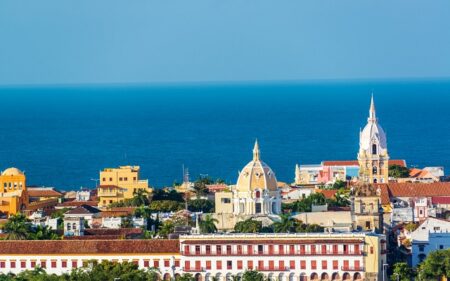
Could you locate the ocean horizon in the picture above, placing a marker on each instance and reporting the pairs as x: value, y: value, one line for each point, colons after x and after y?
x: 63, y: 135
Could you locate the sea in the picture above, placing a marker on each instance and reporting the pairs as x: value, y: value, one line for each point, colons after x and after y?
x: 63, y: 135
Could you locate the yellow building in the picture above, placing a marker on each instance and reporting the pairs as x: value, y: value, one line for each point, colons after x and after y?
x: 13, y: 195
x: 118, y: 184
x: 373, y: 155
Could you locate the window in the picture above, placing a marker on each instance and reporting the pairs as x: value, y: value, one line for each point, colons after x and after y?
x: 302, y: 264
x: 313, y: 249
x: 441, y: 247
x: 258, y: 208
x: 371, y: 249
x: 197, y: 250
x: 302, y: 249
x: 324, y: 249
x: 257, y: 194
x: 291, y: 249
x: 166, y: 263
x: 374, y: 149
x: 218, y: 265
x: 146, y: 263
x: 53, y: 264
x: 2, y: 264
x: 23, y: 264
x: 239, y: 249
x: 292, y: 264
x: 228, y: 249
x: 64, y: 264
x: 324, y: 265
x: 208, y: 265
x: 219, y: 249
x: 281, y: 264
x: 208, y: 249
x: 345, y: 249
x: 110, y: 179
x: 374, y: 170
x: 134, y: 178
x: 197, y: 265
x: 13, y: 264
x: 225, y: 200
x: 33, y: 264
x: 260, y: 249
x: 187, y: 265
x: 313, y: 264
x: 68, y: 226
x: 125, y: 179
x: 250, y: 265
x: 260, y: 265
x: 43, y: 263
x: 335, y: 265
x: 229, y: 264
x: 335, y: 249
x: 346, y: 267
x: 186, y: 250
x: 177, y: 263
x: 120, y: 179
x: 250, y: 249
x: 357, y: 265
x: 281, y: 249
x: 270, y: 249
x: 421, y: 248
x: 156, y: 263
x: 239, y: 264
x: 271, y: 265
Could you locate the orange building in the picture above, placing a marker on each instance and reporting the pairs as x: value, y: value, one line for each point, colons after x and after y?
x: 13, y: 194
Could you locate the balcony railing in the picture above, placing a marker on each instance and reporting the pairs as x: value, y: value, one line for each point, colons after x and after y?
x: 272, y: 268
x: 288, y: 253
x: 352, y: 268
x: 193, y: 269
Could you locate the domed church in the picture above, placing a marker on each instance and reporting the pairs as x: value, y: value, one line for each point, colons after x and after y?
x: 256, y: 191
x: 373, y: 155
x: 255, y: 195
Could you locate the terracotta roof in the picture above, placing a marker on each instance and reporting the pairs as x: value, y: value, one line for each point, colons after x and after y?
x: 73, y: 203
x: 441, y: 200
x: 435, y: 189
x: 328, y: 193
x: 355, y: 163
x: 62, y: 247
x: 41, y: 192
x: 83, y: 209
x: 113, y: 231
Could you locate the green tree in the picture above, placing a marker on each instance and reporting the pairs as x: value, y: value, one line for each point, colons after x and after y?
x: 411, y: 226
x: 248, y: 226
x: 402, y: 272
x: 18, y: 227
x: 186, y: 277
x: 286, y: 225
x: 436, y: 265
x: 397, y: 171
x: 42, y: 233
x: 140, y: 197
x: 201, y: 205
x: 200, y: 186
x: 166, y: 228
x: 252, y: 275
x: 166, y: 206
x: 208, y: 224
x: 127, y: 222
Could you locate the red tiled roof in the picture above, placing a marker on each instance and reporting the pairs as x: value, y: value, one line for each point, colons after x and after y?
x: 328, y: 193
x: 62, y: 247
x: 355, y: 163
x: 435, y: 189
x: 441, y: 200
x: 37, y: 192
x: 73, y: 203
x: 82, y: 210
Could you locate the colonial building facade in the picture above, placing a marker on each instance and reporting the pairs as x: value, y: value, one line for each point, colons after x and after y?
x: 283, y: 257
x: 373, y: 154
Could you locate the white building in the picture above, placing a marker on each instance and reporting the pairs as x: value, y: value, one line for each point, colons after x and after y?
x: 433, y: 234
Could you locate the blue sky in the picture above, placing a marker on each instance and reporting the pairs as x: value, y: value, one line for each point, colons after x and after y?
x: 144, y: 41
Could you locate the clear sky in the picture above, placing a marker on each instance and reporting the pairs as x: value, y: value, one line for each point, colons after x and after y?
x: 144, y: 41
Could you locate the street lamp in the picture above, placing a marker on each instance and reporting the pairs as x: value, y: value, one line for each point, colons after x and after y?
x: 96, y: 182
x: 384, y: 269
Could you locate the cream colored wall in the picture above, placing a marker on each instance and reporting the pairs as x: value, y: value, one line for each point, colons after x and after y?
x: 373, y: 261
x: 220, y: 206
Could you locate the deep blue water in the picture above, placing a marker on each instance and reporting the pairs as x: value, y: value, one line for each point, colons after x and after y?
x: 62, y: 136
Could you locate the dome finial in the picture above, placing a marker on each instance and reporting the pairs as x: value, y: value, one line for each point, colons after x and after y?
x: 372, y: 115
x: 256, y: 151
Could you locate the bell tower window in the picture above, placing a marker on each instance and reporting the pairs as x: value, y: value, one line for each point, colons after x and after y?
x: 374, y: 149
x: 374, y: 170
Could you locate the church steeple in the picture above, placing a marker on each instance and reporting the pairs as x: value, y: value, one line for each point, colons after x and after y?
x: 256, y: 151
x: 372, y: 113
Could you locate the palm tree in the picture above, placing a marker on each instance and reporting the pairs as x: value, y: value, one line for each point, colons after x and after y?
x: 43, y: 233
x: 18, y: 227
x: 287, y: 224
x: 248, y: 226
x: 140, y: 197
x: 208, y: 224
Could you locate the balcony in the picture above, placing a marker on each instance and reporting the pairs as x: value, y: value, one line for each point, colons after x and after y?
x: 352, y: 268
x: 288, y: 253
x: 193, y: 269
x: 272, y: 268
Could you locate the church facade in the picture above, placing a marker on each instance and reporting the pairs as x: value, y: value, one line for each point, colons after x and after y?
x: 373, y: 156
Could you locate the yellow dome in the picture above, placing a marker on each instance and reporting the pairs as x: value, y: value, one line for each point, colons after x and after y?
x: 256, y: 175
x: 12, y: 172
